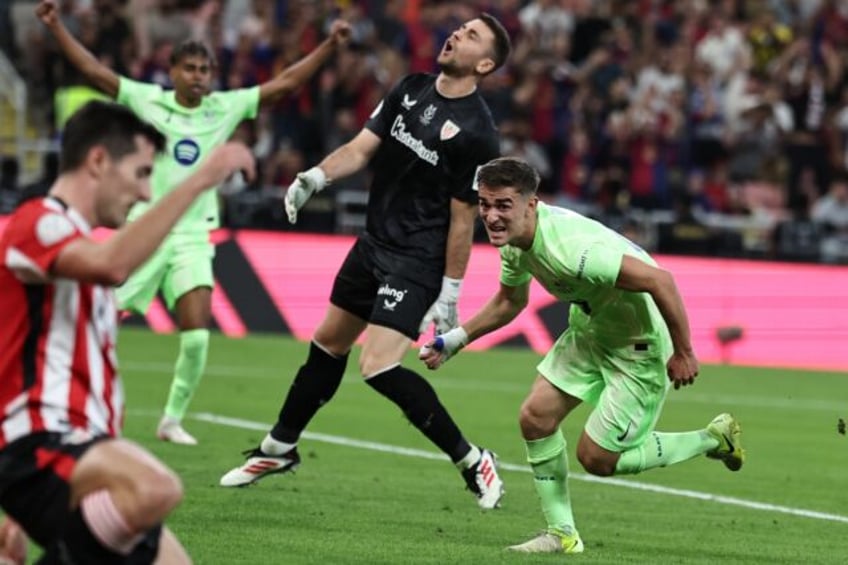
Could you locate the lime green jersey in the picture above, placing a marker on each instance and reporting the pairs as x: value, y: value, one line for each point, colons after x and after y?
x: 577, y: 260
x: 192, y: 134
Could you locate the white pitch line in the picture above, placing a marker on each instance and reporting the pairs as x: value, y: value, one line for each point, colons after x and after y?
x: 463, y: 383
x: 410, y: 452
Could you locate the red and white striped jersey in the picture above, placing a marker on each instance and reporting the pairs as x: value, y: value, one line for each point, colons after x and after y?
x: 58, y: 367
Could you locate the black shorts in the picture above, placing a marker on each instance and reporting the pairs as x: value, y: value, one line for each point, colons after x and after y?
x: 35, y: 473
x: 385, y: 289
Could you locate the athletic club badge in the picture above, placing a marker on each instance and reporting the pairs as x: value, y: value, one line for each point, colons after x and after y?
x: 449, y: 130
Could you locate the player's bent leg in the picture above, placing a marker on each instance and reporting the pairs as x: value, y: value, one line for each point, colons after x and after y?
x: 119, y: 495
x: 142, y: 489
x: 540, y: 416
x: 315, y: 384
x: 379, y: 364
x: 594, y: 458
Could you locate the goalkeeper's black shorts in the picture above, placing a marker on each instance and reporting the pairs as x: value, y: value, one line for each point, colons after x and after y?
x: 373, y: 285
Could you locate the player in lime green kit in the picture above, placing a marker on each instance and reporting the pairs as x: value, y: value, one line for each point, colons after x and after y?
x: 627, y: 341
x: 194, y: 121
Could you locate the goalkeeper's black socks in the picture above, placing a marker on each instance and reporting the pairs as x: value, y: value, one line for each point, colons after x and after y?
x: 419, y: 402
x: 316, y: 382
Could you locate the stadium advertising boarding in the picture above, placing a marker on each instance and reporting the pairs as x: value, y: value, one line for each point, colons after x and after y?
x: 742, y: 312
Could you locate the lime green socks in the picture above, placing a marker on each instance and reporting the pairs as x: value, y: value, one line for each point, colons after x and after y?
x: 662, y: 450
x: 549, y: 461
x: 191, y: 362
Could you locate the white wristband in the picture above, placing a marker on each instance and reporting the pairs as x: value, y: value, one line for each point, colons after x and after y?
x: 317, y: 178
x: 452, y: 341
x: 450, y: 289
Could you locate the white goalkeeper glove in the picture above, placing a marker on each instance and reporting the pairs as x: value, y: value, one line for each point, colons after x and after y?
x: 443, y: 311
x: 442, y: 347
x: 304, y: 186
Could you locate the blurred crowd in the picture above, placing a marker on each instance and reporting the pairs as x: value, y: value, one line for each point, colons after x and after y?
x: 694, y: 126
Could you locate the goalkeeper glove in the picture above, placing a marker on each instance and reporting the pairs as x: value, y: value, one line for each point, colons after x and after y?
x: 441, y: 348
x: 443, y: 311
x: 304, y: 186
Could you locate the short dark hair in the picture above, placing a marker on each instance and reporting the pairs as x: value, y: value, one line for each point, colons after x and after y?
x: 503, y: 45
x: 511, y: 172
x: 108, y: 124
x: 192, y: 48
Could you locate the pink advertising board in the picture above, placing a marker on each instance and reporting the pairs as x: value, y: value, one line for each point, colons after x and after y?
x: 790, y: 315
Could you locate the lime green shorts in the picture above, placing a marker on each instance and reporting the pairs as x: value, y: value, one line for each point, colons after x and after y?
x: 182, y: 263
x: 627, y: 385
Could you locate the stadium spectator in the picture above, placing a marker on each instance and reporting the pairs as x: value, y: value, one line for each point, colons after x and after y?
x: 9, y: 183
x: 196, y: 121
x: 424, y: 141
x: 628, y: 339
x: 831, y: 213
x: 799, y: 237
x: 572, y: 69
x: 78, y: 490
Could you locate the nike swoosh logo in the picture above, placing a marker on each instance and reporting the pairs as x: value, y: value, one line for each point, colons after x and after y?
x: 729, y: 444
x: 626, y: 431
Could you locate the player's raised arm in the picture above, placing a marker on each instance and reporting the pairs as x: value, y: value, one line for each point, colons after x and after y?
x: 348, y: 159
x: 104, y: 78
x: 294, y: 76
x: 112, y: 261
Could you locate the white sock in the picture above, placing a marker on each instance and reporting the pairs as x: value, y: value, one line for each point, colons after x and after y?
x: 472, y: 457
x: 270, y: 446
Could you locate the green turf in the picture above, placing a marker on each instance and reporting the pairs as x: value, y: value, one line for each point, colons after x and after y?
x: 352, y: 505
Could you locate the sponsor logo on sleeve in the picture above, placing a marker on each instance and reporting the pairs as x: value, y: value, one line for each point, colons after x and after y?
x: 53, y: 228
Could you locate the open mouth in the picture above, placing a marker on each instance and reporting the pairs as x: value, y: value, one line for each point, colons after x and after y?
x: 447, y: 48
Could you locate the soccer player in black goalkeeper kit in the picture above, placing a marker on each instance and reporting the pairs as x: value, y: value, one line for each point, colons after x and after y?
x: 424, y: 142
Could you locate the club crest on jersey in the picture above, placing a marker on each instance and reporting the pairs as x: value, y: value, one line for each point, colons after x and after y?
x: 428, y: 114
x: 186, y: 152
x: 449, y: 131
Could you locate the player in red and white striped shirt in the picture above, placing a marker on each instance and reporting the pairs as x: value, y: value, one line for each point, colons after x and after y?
x: 61, y: 399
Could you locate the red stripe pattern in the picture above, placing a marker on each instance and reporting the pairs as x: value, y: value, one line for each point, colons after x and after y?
x: 58, y: 368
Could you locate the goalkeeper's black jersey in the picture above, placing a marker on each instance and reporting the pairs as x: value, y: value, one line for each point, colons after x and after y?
x: 430, y: 150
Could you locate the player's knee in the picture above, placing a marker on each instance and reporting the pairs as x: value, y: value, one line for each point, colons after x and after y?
x: 155, y: 494
x: 371, y: 365
x: 331, y: 343
x: 594, y: 462
x: 534, y: 423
